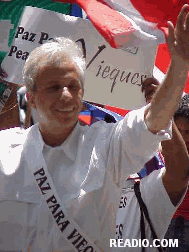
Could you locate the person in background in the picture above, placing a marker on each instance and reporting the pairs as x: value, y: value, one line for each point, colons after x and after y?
x: 179, y: 227
x: 129, y: 214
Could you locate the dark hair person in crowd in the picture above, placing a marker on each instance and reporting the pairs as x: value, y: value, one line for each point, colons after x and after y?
x: 179, y: 227
x: 173, y: 153
x: 128, y: 220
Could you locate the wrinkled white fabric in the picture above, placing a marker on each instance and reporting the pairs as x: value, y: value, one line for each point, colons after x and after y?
x: 88, y: 170
x: 160, y: 210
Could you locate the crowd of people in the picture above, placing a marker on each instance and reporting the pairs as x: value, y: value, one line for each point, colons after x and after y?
x: 65, y: 186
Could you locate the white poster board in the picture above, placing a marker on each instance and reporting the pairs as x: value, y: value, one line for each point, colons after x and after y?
x: 113, y: 75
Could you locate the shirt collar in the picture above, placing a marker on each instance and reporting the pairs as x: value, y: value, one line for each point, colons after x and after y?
x: 35, y: 128
x: 69, y: 146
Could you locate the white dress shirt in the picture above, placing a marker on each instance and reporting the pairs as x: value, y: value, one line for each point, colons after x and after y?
x: 88, y: 171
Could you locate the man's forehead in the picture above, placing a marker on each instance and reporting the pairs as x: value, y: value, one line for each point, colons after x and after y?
x: 51, y: 74
x: 56, y: 69
x: 181, y: 118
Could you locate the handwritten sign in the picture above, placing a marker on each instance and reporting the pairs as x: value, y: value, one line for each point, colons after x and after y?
x: 113, y: 75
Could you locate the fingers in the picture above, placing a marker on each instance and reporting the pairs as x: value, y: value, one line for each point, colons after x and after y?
x: 171, y: 35
x: 149, y: 87
x: 182, y: 26
x: 150, y: 92
x: 181, y: 18
x: 149, y: 81
x: 187, y: 23
x: 178, y: 38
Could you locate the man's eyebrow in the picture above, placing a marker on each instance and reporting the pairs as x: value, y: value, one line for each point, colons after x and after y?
x: 58, y: 80
x: 51, y: 82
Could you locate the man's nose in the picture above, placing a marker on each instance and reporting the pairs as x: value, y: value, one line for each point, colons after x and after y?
x: 65, y: 93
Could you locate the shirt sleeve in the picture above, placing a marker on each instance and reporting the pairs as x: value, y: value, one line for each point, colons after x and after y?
x: 158, y: 203
x: 138, y: 143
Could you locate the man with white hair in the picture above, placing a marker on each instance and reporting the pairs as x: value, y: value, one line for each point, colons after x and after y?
x: 60, y: 182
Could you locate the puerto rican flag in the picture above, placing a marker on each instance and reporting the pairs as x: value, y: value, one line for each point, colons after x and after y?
x: 134, y: 22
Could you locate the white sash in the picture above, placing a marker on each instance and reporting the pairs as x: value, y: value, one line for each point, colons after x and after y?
x: 67, y: 226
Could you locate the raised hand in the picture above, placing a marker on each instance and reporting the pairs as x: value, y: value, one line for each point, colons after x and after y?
x: 178, y: 38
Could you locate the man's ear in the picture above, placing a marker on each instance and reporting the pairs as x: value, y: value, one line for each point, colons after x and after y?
x: 31, y: 99
x: 84, y: 107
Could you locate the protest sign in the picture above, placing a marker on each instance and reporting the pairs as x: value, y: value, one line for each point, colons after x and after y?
x: 113, y: 75
x: 10, y: 14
